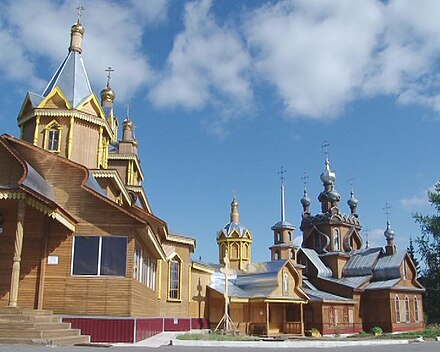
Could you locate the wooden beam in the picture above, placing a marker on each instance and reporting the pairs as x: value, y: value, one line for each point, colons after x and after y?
x: 15, y: 277
x: 42, y: 268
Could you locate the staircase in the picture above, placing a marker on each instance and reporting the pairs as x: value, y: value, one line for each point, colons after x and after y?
x: 37, y: 327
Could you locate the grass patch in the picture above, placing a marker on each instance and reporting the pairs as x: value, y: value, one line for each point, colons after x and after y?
x: 214, y: 337
x: 429, y: 333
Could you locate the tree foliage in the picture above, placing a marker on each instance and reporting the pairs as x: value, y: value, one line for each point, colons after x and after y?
x: 412, y: 253
x: 429, y: 249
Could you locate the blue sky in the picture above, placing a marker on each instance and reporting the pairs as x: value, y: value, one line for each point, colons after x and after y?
x: 224, y: 93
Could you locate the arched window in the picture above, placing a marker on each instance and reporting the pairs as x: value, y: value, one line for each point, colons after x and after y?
x: 336, y: 246
x: 416, y: 310
x: 52, y: 136
x: 174, y: 280
x: 279, y: 237
x: 234, y: 251
x: 277, y: 255
x: 245, y: 251
x: 292, y: 254
x: 407, y: 316
x: 397, y: 302
x: 404, y: 270
x: 285, y: 283
x: 290, y: 236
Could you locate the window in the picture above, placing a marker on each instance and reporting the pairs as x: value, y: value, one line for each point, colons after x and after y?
x: 407, y: 317
x: 174, y: 279
x: 331, y: 316
x: 336, y: 246
x: 234, y: 251
x: 416, y: 310
x: 54, y: 139
x: 52, y: 136
x: 245, y: 251
x: 346, y: 315
x: 290, y: 236
x: 285, y: 283
x: 404, y: 270
x: 277, y: 255
x: 144, y: 268
x: 397, y: 301
x: 292, y: 254
x: 99, y: 256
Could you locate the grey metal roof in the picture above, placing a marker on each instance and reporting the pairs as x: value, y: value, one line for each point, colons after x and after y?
x: 362, y: 262
x: 377, y: 285
x: 35, y: 99
x: 231, y: 226
x: 352, y: 281
x: 283, y: 225
x: 388, y: 266
x: 94, y: 185
x: 71, y: 77
x: 313, y: 257
x: 37, y: 183
x: 317, y: 295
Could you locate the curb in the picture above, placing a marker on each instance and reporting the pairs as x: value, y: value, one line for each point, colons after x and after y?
x: 286, y: 344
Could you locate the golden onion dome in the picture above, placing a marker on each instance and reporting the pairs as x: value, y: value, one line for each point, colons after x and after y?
x: 107, y: 94
x: 77, y: 27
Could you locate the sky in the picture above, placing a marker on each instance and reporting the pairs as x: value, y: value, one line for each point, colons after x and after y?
x: 224, y: 93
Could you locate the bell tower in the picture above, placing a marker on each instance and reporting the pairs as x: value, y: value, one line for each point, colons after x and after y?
x: 283, y: 247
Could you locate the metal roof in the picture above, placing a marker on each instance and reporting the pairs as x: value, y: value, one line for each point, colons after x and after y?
x: 377, y: 285
x: 362, y: 262
x: 317, y: 295
x: 37, y: 183
x: 231, y: 226
x: 71, y: 77
x: 323, y: 271
x: 388, y: 266
x: 283, y: 225
x: 352, y: 281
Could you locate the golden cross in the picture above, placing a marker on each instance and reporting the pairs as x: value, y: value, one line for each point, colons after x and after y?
x: 80, y: 8
x: 109, y: 74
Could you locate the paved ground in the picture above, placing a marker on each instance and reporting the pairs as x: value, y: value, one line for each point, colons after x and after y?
x: 160, y: 343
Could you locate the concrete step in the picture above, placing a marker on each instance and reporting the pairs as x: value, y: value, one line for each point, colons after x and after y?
x: 4, y: 318
x: 36, y: 333
x: 24, y: 311
x: 36, y: 325
x: 58, y: 341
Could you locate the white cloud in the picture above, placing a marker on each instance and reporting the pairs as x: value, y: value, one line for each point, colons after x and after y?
x: 315, y: 53
x: 207, y: 65
x: 375, y: 238
x: 417, y: 201
x: 113, y: 37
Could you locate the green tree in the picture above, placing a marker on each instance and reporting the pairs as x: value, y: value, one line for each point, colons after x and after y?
x: 429, y: 249
x: 412, y: 253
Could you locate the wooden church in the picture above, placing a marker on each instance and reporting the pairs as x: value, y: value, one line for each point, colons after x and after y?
x: 78, y: 238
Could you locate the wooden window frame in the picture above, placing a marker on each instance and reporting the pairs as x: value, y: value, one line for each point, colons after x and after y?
x: 52, y: 126
x: 398, y: 310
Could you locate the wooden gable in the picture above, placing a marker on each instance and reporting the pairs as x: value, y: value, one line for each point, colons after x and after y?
x: 55, y: 100
x: 289, y: 284
x: 26, y: 107
x: 91, y: 106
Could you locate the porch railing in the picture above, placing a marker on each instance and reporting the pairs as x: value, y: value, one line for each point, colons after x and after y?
x: 293, y: 327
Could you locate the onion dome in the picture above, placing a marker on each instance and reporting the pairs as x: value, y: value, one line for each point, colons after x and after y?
x: 107, y: 94
x: 333, y: 196
x: 352, y: 202
x: 389, y: 234
x: 305, y: 200
x: 77, y: 27
x: 328, y: 176
x: 127, y: 123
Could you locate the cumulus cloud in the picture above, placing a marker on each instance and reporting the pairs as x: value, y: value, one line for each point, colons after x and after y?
x: 315, y: 53
x: 375, y: 237
x: 116, y: 42
x: 208, y: 64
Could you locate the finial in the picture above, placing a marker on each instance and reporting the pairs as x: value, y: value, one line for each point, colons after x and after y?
x: 305, y: 179
x: 80, y: 8
x: 128, y: 111
x: 387, y: 209
x: 234, y: 211
x: 367, y: 242
x: 305, y: 200
x: 283, y: 209
x: 109, y: 71
x: 325, y: 146
x: 281, y: 173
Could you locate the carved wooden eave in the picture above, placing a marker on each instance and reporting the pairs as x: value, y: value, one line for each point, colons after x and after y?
x: 112, y: 174
x: 55, y: 214
x: 116, y: 156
